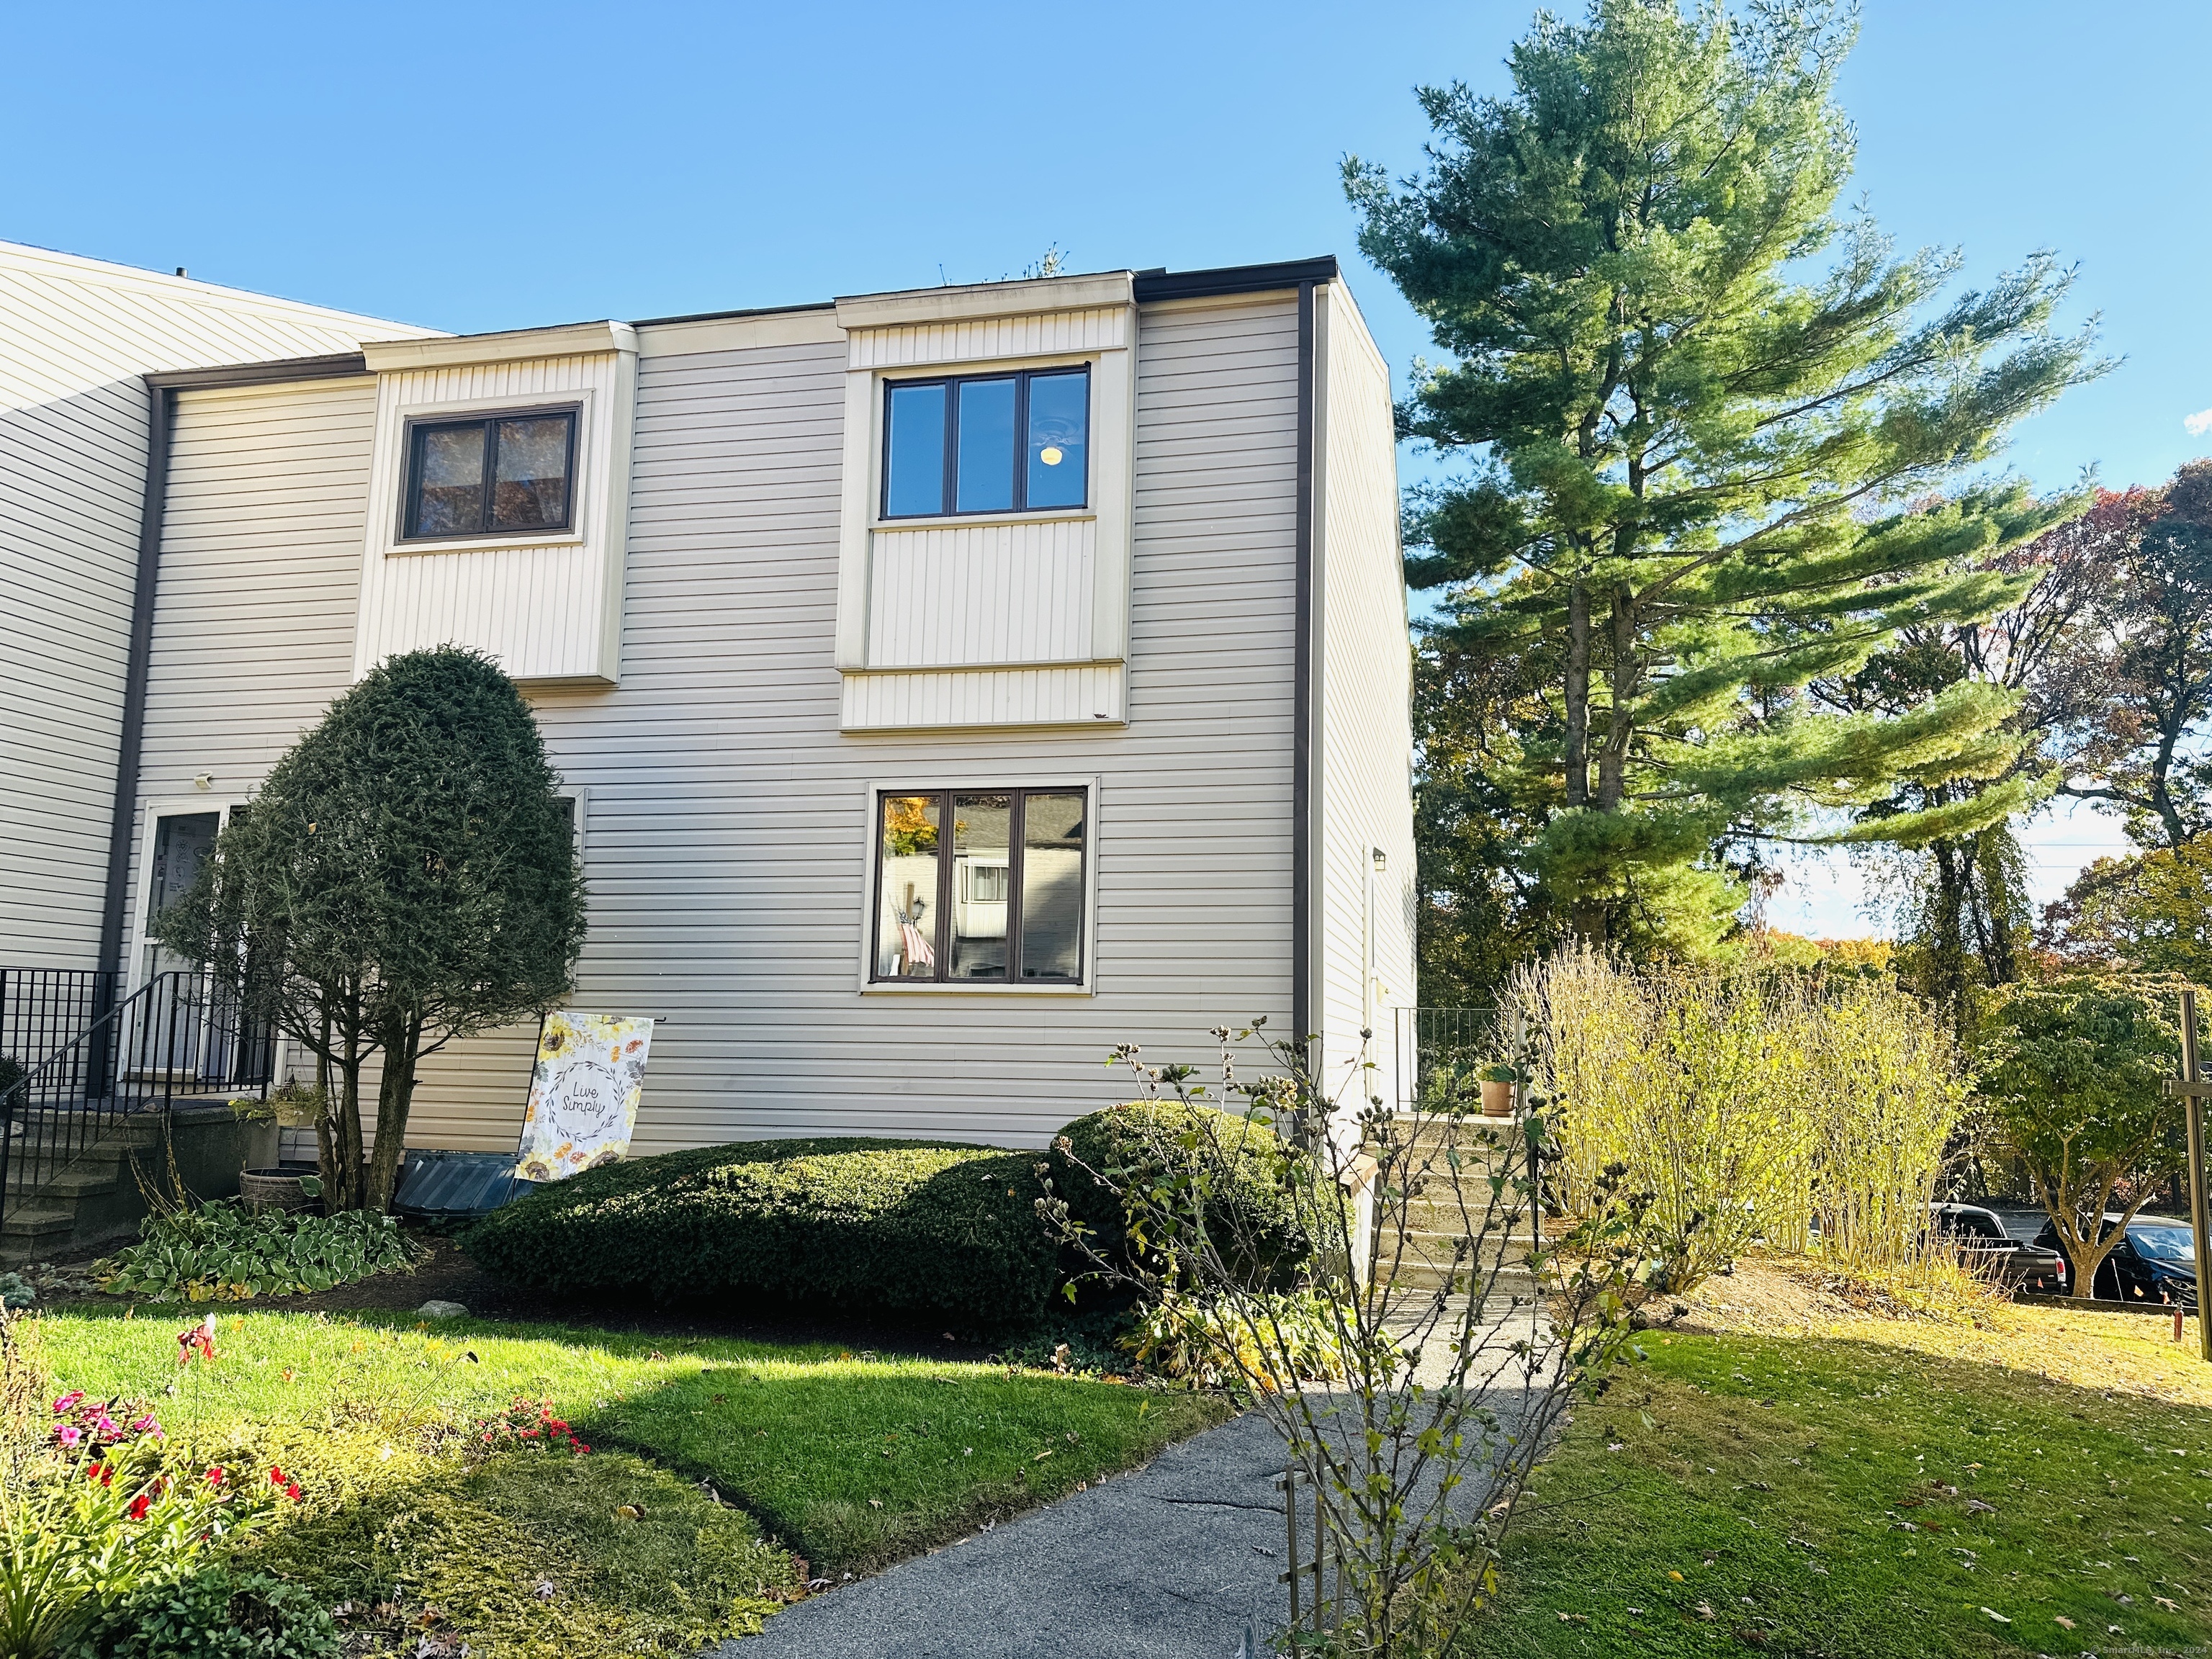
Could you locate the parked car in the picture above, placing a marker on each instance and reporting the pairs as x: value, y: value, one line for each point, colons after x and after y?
x: 1984, y: 1245
x: 2156, y: 1261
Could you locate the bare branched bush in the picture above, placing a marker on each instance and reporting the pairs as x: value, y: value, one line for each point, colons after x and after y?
x: 1435, y: 1338
x: 1763, y: 1106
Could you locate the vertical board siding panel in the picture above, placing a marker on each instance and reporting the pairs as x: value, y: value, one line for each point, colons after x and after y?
x: 535, y: 607
x: 76, y: 335
x: 1050, y: 333
x: 982, y: 593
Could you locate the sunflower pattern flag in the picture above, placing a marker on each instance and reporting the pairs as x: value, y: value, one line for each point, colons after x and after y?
x: 583, y: 1094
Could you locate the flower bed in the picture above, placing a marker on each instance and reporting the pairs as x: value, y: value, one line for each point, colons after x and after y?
x: 221, y: 1252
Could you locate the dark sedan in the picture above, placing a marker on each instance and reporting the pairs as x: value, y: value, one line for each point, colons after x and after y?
x: 1983, y: 1243
x: 2156, y: 1262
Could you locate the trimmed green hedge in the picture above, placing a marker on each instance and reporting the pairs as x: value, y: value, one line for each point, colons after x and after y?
x: 913, y: 1225
x: 1253, y: 1201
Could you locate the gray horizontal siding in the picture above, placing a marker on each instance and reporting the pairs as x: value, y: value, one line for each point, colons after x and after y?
x: 75, y: 338
x: 726, y: 813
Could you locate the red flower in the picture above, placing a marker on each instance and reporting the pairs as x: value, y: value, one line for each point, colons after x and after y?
x: 292, y: 1491
x: 277, y: 1476
x: 139, y: 1505
x: 215, y: 1476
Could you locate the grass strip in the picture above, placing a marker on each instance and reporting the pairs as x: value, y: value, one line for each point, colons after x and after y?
x: 1738, y: 1494
x: 850, y: 1460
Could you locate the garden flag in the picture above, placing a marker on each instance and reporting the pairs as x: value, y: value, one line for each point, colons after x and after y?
x: 583, y: 1094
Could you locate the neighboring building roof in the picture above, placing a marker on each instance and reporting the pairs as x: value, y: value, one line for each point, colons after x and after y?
x: 22, y: 256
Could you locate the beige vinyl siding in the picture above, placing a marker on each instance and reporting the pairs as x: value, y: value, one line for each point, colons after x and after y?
x: 727, y: 838
x: 982, y: 594
x: 544, y: 608
x: 1363, y: 701
x: 76, y: 335
x: 253, y: 613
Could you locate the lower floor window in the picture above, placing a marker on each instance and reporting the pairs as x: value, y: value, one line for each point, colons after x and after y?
x: 980, y: 886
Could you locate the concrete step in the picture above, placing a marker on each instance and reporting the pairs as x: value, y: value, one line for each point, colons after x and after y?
x: 37, y: 1220
x: 1412, y: 1274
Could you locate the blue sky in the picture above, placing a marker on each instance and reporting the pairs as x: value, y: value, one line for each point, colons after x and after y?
x: 495, y: 166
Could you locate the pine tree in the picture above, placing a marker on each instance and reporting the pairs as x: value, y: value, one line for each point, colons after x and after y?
x: 1693, y: 462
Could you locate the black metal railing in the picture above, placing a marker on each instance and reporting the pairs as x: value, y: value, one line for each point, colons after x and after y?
x: 1440, y: 1052
x: 43, y: 1009
x: 181, y: 1035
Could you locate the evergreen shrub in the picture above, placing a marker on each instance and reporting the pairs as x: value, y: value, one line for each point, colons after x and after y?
x: 1251, y: 1213
x: 917, y: 1227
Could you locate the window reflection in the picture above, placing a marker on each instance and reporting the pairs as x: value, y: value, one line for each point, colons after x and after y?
x: 495, y: 475
x: 450, y: 492
x: 1060, y: 410
x: 1012, y: 442
x: 981, y: 841
x: 987, y: 445
x: 1052, y: 887
x: 914, y: 457
x: 529, y: 483
x: 999, y: 898
x: 907, y: 881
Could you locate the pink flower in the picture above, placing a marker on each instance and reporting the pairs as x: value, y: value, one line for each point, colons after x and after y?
x: 146, y: 1424
x: 68, y: 1434
x: 104, y: 1426
x: 69, y: 1399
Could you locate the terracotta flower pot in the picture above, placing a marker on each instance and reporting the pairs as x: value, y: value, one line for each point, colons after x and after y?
x: 1497, y: 1098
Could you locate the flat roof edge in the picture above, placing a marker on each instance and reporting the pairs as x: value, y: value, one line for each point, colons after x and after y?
x: 337, y: 366
x: 1234, y: 279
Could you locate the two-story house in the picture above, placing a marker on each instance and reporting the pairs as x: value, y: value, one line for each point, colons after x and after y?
x: 952, y: 683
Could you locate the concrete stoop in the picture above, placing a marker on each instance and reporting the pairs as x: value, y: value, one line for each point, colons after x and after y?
x: 1435, y: 1222
x: 95, y: 1199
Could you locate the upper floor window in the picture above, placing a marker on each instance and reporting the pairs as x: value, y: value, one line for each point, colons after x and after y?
x: 492, y: 475
x: 987, y: 443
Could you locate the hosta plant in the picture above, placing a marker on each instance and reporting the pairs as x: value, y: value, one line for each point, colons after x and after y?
x: 223, y: 1252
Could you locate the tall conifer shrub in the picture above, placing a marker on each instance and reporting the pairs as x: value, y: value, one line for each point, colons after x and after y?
x: 406, y: 876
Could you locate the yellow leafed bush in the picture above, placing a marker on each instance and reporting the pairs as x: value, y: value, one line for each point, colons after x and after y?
x: 1753, y: 1106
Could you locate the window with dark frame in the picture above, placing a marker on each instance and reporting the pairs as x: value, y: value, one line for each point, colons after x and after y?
x: 980, y: 887
x: 508, y: 473
x: 1016, y: 442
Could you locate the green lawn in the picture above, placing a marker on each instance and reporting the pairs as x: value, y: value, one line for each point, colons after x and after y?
x: 847, y: 1460
x: 1824, y: 1497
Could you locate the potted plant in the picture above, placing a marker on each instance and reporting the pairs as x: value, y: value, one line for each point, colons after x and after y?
x: 1498, y: 1080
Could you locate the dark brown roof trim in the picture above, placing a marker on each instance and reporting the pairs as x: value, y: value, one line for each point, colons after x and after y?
x: 724, y: 316
x: 1234, y: 279
x: 1305, y: 904
x: 336, y: 366
x: 162, y: 403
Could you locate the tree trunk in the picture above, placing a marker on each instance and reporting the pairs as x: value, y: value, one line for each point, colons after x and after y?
x: 1578, y: 668
x: 395, y: 1095
x: 1624, y: 678
x: 342, y: 1183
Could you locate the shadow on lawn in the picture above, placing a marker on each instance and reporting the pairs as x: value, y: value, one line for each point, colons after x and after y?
x: 857, y: 1465
x: 1826, y: 1497
x: 536, y: 1554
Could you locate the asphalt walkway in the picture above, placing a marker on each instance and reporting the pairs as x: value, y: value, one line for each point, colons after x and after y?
x: 1173, y: 1560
